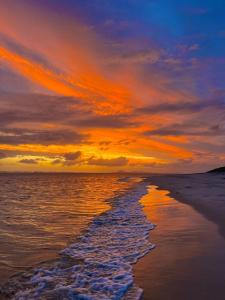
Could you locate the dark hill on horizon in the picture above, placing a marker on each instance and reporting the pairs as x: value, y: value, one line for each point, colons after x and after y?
x: 217, y: 170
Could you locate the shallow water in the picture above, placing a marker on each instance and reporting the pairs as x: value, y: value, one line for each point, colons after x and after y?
x: 189, y: 259
x: 40, y: 214
x: 97, y: 266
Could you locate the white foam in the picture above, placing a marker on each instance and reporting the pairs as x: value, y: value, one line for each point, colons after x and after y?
x: 101, y: 260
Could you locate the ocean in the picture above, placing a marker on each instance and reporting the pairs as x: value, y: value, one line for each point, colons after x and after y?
x: 81, y: 236
x: 42, y: 215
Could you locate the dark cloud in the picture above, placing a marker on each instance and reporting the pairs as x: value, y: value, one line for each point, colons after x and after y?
x: 183, y: 107
x: 21, y: 108
x: 37, y: 108
x: 2, y: 155
x: 44, y: 137
x: 68, y: 159
x: 105, y: 143
x: 126, y: 142
x: 114, y: 162
x: 30, y: 161
x: 72, y: 156
x: 57, y: 161
x: 187, y: 130
x: 105, y: 121
x: 10, y: 80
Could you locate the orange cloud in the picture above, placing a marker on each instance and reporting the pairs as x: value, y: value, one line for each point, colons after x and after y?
x: 69, y: 59
x: 37, y: 73
x: 69, y: 47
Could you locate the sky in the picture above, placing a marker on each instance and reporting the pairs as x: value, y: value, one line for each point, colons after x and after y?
x: 112, y: 85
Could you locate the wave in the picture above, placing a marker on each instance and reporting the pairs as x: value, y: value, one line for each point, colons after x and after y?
x: 99, y: 265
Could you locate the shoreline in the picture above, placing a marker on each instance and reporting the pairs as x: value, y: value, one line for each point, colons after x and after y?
x: 112, y: 243
x: 199, y: 191
x: 204, y: 192
x: 188, y: 262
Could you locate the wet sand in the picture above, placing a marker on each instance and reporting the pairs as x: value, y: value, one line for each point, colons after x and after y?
x: 205, y: 192
x: 189, y: 260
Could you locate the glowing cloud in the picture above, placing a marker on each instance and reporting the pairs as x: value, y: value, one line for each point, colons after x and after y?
x: 103, y: 94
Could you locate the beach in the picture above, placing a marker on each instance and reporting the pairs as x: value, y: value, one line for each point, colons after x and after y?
x: 189, y: 258
x: 205, y: 192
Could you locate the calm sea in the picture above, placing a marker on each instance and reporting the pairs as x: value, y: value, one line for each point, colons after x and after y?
x: 40, y: 214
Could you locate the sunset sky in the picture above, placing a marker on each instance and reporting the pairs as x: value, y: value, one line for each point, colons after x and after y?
x: 112, y: 85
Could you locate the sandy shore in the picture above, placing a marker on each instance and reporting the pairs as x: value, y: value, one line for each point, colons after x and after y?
x: 205, y: 192
x: 188, y: 261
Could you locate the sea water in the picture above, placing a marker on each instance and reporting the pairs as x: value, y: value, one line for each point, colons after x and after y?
x: 94, y: 221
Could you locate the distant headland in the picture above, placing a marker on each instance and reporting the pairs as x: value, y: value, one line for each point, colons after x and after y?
x: 217, y: 170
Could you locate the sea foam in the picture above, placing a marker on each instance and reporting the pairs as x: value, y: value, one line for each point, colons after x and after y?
x: 99, y: 265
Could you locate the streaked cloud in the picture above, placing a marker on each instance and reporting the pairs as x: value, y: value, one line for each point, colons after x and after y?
x: 44, y: 137
x: 113, y: 162
x: 100, y: 86
x: 183, y: 107
x: 188, y: 130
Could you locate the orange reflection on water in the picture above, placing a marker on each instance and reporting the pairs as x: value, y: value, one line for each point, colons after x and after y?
x: 40, y: 214
x: 163, y: 210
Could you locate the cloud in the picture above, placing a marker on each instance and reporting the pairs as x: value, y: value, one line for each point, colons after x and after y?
x: 113, y: 162
x: 2, y: 155
x: 68, y: 159
x: 30, y: 161
x: 188, y: 48
x: 72, y: 158
x: 105, y: 143
x: 65, y: 58
x: 57, y: 161
x: 171, y: 107
x: 20, y: 49
x: 94, y: 83
x: 43, y: 137
x: 188, y: 130
x: 184, y: 107
x: 107, y: 121
x: 149, y: 56
x: 30, y: 108
x: 11, y: 81
x: 21, y: 108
